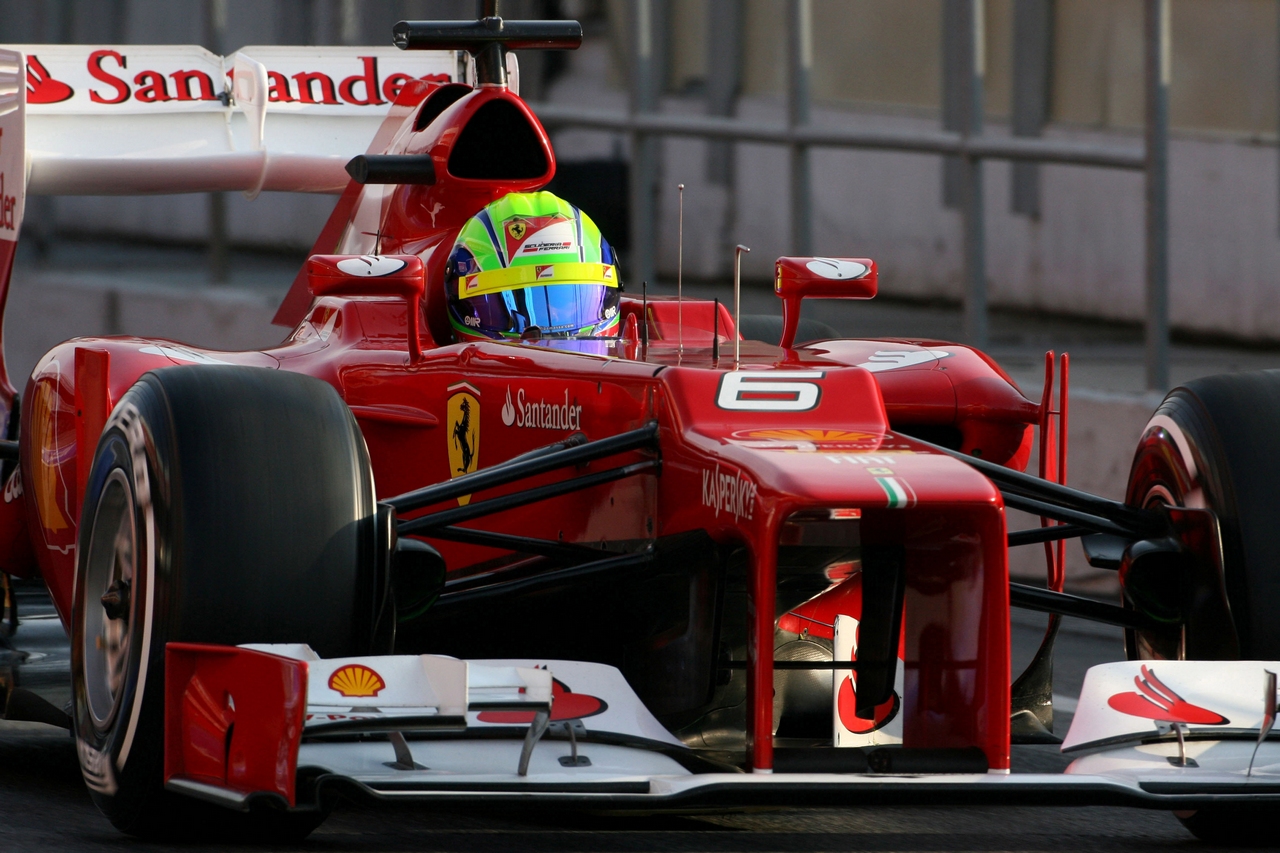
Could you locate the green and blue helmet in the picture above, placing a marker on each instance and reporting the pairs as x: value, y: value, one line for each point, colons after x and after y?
x: 532, y: 266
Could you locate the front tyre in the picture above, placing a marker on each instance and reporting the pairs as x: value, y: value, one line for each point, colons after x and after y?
x: 1214, y: 443
x: 225, y: 505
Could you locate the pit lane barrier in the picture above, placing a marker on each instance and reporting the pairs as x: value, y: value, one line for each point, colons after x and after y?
x: 643, y: 124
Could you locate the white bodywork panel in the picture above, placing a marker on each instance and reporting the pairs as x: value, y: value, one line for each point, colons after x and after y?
x: 619, y: 754
x: 377, y: 687
x: 12, y: 157
x: 436, y: 685
x: 623, y: 711
x: 846, y: 648
x: 132, y: 120
x: 1132, y: 700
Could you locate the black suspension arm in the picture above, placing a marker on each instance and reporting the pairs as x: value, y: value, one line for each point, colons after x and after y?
x: 522, y: 544
x: 1046, y: 534
x: 529, y: 465
x: 1130, y: 521
x: 575, y: 440
x: 610, y: 566
x: 424, y: 525
x: 1048, y: 601
x: 1094, y: 523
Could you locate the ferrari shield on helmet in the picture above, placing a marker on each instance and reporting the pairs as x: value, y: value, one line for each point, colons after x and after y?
x: 531, y: 265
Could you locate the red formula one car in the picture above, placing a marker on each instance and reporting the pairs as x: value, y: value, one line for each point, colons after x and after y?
x: 669, y: 567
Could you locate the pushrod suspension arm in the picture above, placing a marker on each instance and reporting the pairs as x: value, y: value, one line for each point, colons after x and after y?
x: 424, y: 525
x: 1048, y: 601
x: 1134, y: 522
x: 1061, y: 513
x: 610, y: 566
x: 1047, y: 534
x: 644, y: 438
x: 523, y: 544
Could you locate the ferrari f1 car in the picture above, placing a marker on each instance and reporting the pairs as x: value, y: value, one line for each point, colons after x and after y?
x: 670, y: 566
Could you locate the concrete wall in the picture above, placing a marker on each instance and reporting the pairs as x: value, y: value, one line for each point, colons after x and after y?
x: 45, y: 309
x: 877, y: 65
x: 890, y: 53
x: 1083, y: 256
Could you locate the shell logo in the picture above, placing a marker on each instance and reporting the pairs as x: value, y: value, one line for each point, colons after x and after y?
x: 356, y: 679
x: 810, y: 434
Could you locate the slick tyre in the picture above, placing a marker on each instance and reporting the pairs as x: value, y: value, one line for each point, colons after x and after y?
x: 1215, y: 443
x: 224, y: 505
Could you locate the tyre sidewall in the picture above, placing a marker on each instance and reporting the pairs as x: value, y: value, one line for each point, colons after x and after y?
x: 1180, y: 461
x: 121, y: 761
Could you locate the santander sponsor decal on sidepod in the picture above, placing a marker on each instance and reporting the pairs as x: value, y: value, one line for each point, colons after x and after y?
x: 541, y: 414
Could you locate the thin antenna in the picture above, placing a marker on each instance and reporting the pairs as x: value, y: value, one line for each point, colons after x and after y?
x: 715, y: 332
x: 680, y: 278
x: 644, y: 312
x: 737, y: 301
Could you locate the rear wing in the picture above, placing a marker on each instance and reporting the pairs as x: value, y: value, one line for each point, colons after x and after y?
x: 131, y: 120
x: 138, y: 120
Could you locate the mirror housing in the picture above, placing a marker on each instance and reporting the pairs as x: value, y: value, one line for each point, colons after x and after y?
x: 400, y: 276
x: 820, y: 278
x: 392, y: 169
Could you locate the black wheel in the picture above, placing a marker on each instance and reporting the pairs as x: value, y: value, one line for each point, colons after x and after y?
x: 225, y: 505
x: 768, y: 328
x: 1215, y: 443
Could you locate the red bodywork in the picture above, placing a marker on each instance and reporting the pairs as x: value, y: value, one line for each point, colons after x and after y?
x: 739, y: 470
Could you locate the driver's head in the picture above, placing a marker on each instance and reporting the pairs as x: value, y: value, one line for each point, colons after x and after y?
x: 531, y: 265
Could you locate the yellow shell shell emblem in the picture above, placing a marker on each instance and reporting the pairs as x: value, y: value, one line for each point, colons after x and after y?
x: 356, y: 679
x: 811, y: 434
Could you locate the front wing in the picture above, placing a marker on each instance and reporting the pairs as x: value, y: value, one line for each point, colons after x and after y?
x: 276, y: 723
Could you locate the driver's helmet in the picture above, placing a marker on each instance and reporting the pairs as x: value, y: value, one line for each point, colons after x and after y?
x: 532, y: 266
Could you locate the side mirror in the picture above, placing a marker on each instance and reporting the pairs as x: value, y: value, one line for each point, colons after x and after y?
x: 820, y: 278
x: 392, y: 169
x: 401, y: 276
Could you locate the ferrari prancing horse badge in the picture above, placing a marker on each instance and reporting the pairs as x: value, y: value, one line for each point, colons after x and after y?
x: 464, y: 432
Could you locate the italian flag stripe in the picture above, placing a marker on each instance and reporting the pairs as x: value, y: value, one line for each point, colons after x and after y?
x: 897, y: 492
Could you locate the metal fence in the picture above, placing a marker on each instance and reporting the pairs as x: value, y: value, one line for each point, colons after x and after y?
x: 967, y: 143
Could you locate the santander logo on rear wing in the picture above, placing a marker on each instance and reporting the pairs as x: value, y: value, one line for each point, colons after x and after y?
x: 143, y: 119
x: 114, y: 80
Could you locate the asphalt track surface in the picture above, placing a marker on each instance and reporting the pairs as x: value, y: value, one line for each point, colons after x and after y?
x: 44, y: 804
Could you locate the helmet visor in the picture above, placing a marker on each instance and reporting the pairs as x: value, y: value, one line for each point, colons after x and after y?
x: 556, y: 310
